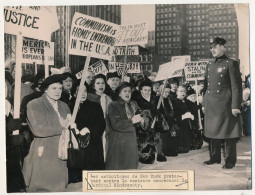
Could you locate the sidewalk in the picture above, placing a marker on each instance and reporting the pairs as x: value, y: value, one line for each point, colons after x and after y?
x: 207, y: 177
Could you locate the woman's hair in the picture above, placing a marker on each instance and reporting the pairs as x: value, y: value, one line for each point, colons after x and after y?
x: 97, y: 77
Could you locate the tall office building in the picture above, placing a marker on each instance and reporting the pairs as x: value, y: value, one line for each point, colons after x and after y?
x: 187, y: 29
x: 111, y: 13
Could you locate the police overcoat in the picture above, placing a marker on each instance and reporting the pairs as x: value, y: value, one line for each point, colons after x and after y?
x: 223, y: 93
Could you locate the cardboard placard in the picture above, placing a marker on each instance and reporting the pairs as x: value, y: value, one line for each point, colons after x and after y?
x: 90, y: 35
x: 34, y: 50
x: 31, y: 21
x: 121, y: 50
x: 170, y: 70
x: 195, y: 70
x: 132, y: 34
x: 132, y: 67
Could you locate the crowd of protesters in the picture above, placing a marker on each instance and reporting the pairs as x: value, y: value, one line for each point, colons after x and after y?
x: 126, y: 123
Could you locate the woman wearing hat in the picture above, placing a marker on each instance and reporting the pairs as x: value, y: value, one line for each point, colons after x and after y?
x: 47, y: 117
x: 99, y: 84
x: 184, y: 119
x: 67, y: 87
x: 122, y: 149
x: 89, y: 119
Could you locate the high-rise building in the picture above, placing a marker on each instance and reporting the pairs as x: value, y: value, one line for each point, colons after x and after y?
x: 187, y: 29
x: 111, y: 13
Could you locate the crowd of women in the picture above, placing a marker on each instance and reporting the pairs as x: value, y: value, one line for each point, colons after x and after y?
x: 127, y: 122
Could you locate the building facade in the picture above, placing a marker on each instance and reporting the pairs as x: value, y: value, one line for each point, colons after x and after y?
x: 187, y: 29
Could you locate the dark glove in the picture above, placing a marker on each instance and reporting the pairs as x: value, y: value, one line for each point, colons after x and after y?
x: 13, y: 124
x: 16, y: 140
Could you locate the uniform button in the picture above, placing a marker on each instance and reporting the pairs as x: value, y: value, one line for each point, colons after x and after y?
x: 208, y: 68
x: 218, y: 83
x: 227, y: 60
x: 223, y: 67
x: 208, y: 76
x: 218, y: 91
x: 221, y: 75
x: 208, y: 84
x: 208, y: 91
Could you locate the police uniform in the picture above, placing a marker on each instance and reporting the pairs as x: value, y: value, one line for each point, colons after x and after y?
x: 223, y: 93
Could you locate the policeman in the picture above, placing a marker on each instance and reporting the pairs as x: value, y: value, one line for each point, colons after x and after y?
x: 221, y: 105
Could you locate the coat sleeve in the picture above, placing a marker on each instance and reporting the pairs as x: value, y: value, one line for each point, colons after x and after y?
x: 236, y: 85
x: 117, y: 122
x: 97, y: 124
x: 37, y: 120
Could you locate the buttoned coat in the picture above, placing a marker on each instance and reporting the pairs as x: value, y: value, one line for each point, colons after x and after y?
x: 43, y: 170
x: 223, y: 93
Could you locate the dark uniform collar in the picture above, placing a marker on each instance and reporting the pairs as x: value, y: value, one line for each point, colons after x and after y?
x: 221, y: 58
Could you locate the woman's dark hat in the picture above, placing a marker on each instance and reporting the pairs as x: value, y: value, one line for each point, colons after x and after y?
x: 68, y: 74
x: 112, y: 75
x: 190, y: 90
x: 173, y: 80
x: 56, y: 78
x: 122, y: 86
x: 146, y: 82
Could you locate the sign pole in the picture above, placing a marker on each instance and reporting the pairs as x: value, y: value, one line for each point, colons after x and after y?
x: 199, y: 116
x: 35, y: 64
x: 125, y: 64
x: 18, y: 73
x: 78, y: 98
x: 159, y: 102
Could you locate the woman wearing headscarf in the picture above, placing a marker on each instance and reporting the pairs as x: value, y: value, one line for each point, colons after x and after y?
x: 89, y: 119
x: 47, y: 117
x: 122, y: 149
x: 99, y: 85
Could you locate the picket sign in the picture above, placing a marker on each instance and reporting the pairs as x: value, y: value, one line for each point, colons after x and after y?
x: 78, y: 98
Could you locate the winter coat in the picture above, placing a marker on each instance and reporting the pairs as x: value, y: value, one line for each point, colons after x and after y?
x: 43, y: 170
x: 223, y: 93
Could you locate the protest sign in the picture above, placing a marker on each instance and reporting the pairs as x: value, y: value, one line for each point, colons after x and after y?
x: 35, y: 51
x: 31, y: 21
x: 90, y: 35
x: 97, y: 68
x: 195, y: 70
x: 170, y: 70
x: 185, y: 59
x: 132, y: 34
x: 121, y: 50
x: 131, y: 67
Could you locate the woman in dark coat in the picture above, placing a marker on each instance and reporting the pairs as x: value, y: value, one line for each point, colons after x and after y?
x: 169, y: 142
x: 122, y: 149
x: 149, y: 141
x: 89, y: 119
x: 184, y: 117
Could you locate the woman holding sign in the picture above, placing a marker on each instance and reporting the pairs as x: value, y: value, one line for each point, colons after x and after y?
x: 47, y: 117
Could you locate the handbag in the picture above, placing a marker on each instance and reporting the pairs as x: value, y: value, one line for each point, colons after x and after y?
x: 77, y: 158
x: 63, y: 144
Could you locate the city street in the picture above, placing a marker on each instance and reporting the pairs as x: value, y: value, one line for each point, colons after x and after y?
x: 210, y: 177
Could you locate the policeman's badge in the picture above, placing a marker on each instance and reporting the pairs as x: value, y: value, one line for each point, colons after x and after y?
x: 219, y: 69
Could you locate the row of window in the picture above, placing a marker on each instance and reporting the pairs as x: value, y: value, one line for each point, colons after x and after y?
x: 224, y: 24
x: 166, y: 15
x: 168, y: 33
x: 168, y: 39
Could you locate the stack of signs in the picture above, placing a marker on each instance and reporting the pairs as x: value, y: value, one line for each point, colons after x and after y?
x: 92, y: 36
x: 37, y: 51
x: 97, y: 68
x: 170, y: 70
x: 128, y: 38
x: 195, y: 70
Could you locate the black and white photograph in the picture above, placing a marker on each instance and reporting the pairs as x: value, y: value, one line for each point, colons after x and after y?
x: 126, y: 86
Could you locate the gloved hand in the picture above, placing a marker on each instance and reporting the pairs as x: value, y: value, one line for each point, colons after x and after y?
x: 16, y: 140
x: 136, y: 118
x: 84, y: 131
